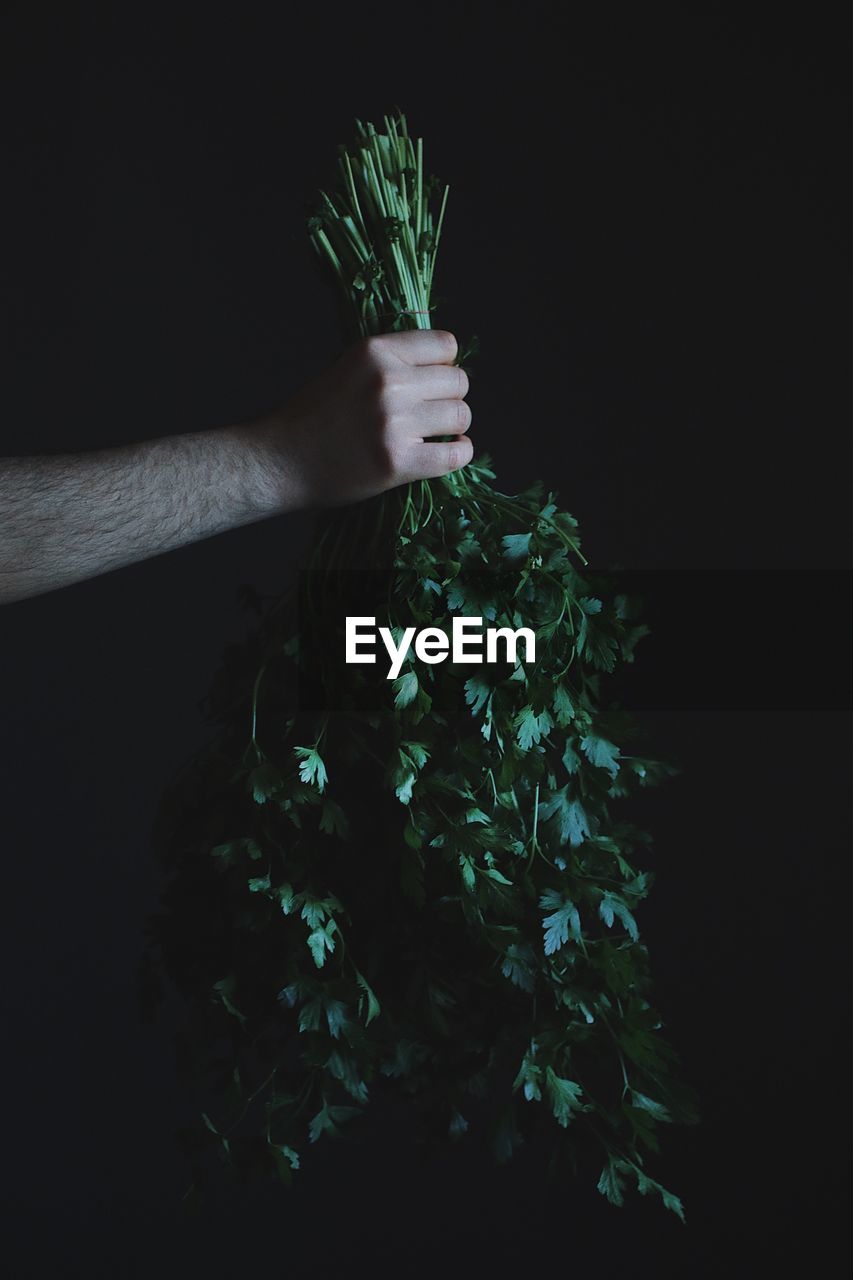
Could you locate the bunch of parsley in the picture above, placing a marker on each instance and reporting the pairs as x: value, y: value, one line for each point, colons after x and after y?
x: 425, y: 890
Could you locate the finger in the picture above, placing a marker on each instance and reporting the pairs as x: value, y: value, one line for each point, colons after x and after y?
x: 421, y: 346
x: 438, y: 382
x: 437, y: 418
x: 438, y: 459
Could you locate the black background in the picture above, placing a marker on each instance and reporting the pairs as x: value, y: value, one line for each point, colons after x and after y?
x: 648, y: 230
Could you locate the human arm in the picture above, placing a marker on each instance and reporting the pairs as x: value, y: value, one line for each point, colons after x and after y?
x: 363, y: 426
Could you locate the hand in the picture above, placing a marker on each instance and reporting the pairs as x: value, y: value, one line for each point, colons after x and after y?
x: 370, y: 422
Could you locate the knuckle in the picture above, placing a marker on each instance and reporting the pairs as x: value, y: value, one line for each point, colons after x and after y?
x: 463, y: 414
x: 373, y: 350
x: 382, y: 384
x: 462, y: 378
x: 448, y: 339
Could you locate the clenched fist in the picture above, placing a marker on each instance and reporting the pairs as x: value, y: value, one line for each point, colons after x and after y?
x: 372, y: 421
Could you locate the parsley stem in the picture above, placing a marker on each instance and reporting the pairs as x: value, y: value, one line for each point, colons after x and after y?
x: 249, y: 1101
x: 627, y: 1086
x: 255, y: 690
x: 534, y: 842
x: 494, y: 788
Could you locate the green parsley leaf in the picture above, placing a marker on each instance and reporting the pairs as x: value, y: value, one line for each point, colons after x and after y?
x: 373, y: 1008
x: 612, y: 905
x: 601, y: 753
x: 612, y: 1182
x: 530, y: 727
x: 565, y: 1096
x: 477, y: 693
x: 405, y: 689
x: 655, y: 1109
x: 569, y: 813
x: 564, y: 710
x: 516, y: 545
x: 562, y: 923
x: 311, y: 769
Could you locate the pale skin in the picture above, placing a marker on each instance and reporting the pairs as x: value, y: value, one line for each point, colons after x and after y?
x: 370, y: 422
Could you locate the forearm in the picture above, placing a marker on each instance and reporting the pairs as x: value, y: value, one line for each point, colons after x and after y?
x: 379, y: 417
x: 67, y: 517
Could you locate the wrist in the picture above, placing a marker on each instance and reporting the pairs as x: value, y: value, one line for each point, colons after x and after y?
x: 271, y: 483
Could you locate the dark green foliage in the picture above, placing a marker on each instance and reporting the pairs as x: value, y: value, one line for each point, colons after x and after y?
x: 432, y: 896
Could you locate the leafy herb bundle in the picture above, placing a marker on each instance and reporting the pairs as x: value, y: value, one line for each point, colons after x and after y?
x: 427, y: 893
